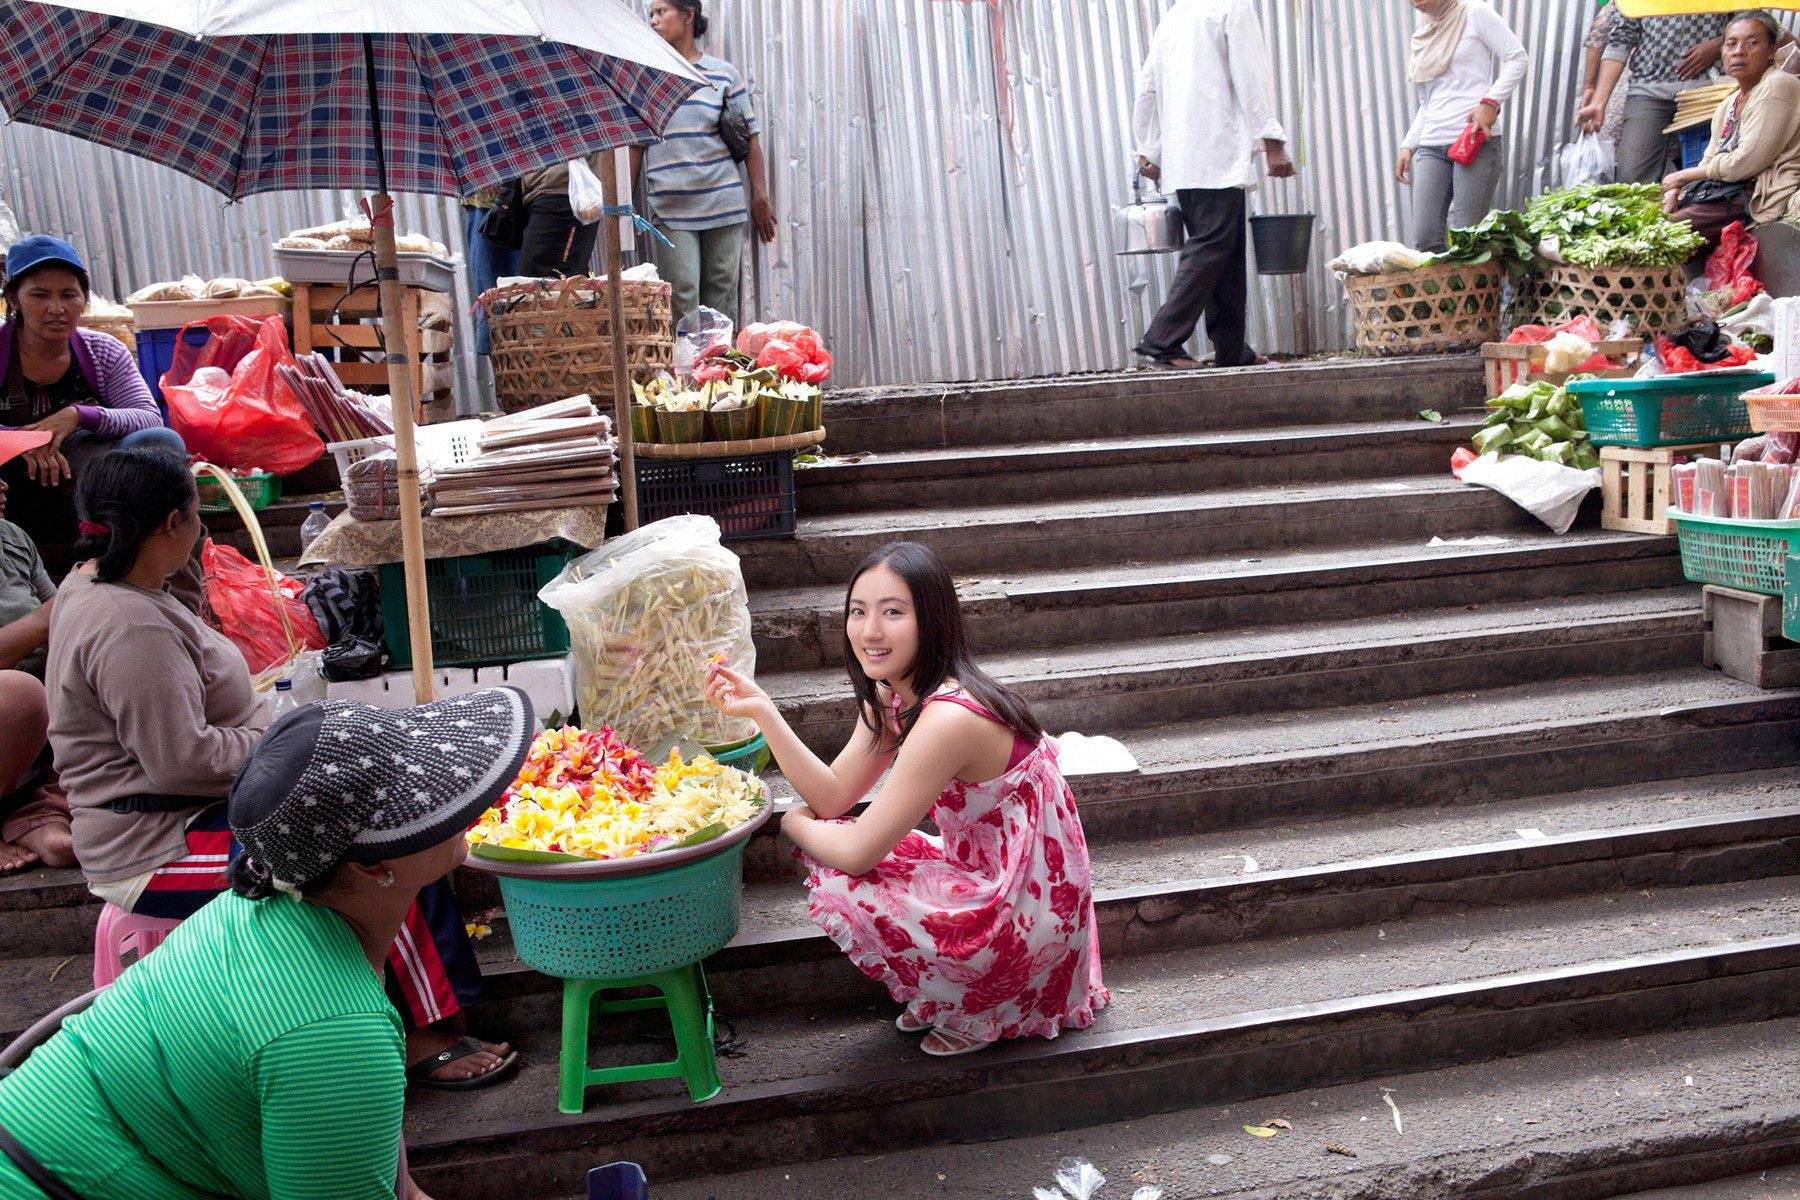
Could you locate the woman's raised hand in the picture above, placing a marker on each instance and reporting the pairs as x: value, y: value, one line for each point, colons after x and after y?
x: 736, y: 695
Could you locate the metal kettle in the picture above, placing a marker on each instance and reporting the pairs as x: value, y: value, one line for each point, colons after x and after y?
x: 1149, y: 225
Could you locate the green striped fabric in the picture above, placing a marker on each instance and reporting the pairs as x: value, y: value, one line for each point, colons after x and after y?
x: 254, y: 1054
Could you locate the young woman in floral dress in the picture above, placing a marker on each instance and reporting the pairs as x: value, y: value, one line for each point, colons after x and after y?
x: 985, y: 930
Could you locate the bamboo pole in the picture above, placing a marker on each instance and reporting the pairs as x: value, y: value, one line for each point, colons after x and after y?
x: 615, y: 290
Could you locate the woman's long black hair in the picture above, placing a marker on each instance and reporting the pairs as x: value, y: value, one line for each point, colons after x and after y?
x: 701, y: 24
x: 128, y: 494
x: 943, y: 649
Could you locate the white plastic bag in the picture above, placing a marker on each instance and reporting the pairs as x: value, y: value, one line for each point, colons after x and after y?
x: 1550, y: 492
x: 1377, y: 258
x: 1565, y: 352
x: 703, y: 333
x: 1587, y: 159
x: 645, y: 613
x: 586, y: 199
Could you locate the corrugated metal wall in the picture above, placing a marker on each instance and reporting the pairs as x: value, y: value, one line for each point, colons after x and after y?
x: 932, y: 231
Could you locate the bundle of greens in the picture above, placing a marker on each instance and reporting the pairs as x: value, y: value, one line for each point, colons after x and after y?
x: 1500, y: 237
x: 1611, y: 224
x: 1538, y: 420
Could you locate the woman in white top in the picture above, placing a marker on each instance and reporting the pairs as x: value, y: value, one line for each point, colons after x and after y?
x: 1454, y: 51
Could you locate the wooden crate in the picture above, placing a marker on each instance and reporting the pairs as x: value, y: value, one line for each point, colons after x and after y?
x: 1507, y: 363
x: 1743, y: 638
x: 326, y: 319
x: 1637, y: 486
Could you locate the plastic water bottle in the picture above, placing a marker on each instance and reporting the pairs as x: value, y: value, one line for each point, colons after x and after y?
x: 284, y: 699
x: 316, y: 521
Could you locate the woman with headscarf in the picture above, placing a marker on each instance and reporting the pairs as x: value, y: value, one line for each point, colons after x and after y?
x: 1452, y: 67
x: 1752, y: 166
x: 255, y: 1052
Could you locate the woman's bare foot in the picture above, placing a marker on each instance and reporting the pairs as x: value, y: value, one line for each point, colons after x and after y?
x: 52, y: 844
x: 422, y: 1044
x: 14, y: 857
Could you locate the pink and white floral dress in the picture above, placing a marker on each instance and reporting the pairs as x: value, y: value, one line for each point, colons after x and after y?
x: 988, y: 929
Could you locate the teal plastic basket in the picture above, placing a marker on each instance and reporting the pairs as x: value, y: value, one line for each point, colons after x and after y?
x: 751, y: 755
x: 1669, y: 410
x: 1751, y: 556
x: 1790, y: 601
x: 622, y: 926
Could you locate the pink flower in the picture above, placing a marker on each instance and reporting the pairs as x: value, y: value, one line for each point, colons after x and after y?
x: 1053, y: 858
x: 960, y: 935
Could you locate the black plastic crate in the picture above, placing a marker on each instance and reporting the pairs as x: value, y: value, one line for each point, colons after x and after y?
x: 750, y: 497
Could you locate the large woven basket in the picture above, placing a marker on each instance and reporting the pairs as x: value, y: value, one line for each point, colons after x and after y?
x: 1433, y: 310
x: 553, y: 339
x: 1651, y: 299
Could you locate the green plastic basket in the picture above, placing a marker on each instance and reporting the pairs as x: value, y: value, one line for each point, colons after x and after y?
x: 1790, y: 601
x: 614, y: 928
x: 1669, y: 410
x: 484, y: 608
x: 1751, y: 556
x: 751, y: 754
x: 259, y: 491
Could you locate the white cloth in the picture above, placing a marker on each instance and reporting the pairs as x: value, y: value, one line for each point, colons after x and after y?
x: 1444, y: 102
x: 1206, y: 96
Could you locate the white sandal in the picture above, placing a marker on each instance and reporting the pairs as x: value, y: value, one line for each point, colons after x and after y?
x: 907, y: 1022
x: 955, y: 1043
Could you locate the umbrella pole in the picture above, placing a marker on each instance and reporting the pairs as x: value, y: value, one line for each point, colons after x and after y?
x: 399, y: 372
x: 615, y: 290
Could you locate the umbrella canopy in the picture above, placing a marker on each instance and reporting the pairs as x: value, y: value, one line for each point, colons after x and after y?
x: 253, y: 96
x: 437, y: 96
x: 1680, y: 8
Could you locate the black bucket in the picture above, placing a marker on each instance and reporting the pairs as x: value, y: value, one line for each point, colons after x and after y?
x: 1283, y: 243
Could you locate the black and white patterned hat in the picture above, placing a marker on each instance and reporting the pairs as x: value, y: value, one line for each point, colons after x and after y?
x: 341, y: 781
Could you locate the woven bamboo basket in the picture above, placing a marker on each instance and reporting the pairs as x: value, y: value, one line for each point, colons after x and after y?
x: 119, y: 327
x: 553, y: 339
x: 1652, y: 299
x: 1433, y: 310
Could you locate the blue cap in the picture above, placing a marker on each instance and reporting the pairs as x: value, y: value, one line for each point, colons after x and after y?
x: 40, y: 250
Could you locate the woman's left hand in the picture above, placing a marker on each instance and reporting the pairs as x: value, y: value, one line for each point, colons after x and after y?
x: 1483, y: 117
x: 60, y: 423
x: 762, y: 215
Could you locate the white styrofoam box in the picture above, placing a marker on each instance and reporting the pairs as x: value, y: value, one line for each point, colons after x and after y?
x: 549, y: 682
x: 1787, y: 337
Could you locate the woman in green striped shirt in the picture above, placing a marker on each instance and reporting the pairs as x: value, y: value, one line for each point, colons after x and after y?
x: 256, y: 1053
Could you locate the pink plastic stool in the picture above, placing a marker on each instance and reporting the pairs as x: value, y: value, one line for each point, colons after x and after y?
x: 120, y: 931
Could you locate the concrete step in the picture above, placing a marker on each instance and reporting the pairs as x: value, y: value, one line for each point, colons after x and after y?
x: 1189, y: 1027
x: 1111, y: 685
x: 1592, y: 1119
x: 1037, y: 610
x: 1078, y: 408
x: 1131, y: 465
x: 1069, y: 534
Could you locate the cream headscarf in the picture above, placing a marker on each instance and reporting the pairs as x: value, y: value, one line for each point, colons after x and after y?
x: 1434, y: 42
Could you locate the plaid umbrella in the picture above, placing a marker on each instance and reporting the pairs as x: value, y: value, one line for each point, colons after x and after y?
x: 247, y: 112
x: 436, y: 96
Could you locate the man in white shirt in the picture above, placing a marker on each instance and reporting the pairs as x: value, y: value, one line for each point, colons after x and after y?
x: 1205, y: 99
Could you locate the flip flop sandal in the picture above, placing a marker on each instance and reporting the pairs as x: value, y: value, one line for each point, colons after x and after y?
x: 906, y: 1022
x: 958, y: 1044
x: 1168, y: 364
x: 420, y: 1072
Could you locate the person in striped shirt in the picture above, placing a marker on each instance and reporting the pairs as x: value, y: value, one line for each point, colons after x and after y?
x: 255, y: 1054
x: 692, y: 185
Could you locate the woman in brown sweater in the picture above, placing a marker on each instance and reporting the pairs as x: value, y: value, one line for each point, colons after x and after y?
x: 152, y: 714
x: 1752, y: 168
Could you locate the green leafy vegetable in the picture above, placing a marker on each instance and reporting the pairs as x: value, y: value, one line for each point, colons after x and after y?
x: 1611, y: 224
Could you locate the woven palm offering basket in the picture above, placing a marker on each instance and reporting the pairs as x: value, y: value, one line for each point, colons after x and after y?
x: 1651, y: 299
x: 553, y: 338
x: 1433, y: 310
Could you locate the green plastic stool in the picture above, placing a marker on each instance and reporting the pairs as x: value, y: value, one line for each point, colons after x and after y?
x: 687, y: 1000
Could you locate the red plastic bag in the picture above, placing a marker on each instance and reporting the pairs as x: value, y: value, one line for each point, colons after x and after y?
x: 757, y: 334
x: 1462, y: 458
x: 251, y: 421
x: 801, y: 357
x: 238, y: 599
x: 1729, y: 266
x: 1468, y: 146
x: 1582, y: 327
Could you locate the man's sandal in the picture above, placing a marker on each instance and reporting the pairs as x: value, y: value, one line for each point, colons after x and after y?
x: 420, y: 1072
